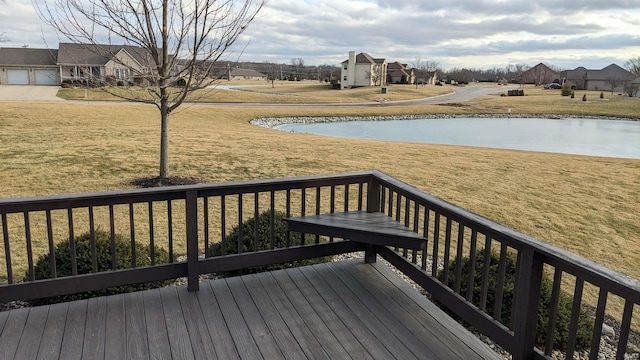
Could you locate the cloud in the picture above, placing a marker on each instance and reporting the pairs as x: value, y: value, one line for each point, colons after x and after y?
x: 471, y: 33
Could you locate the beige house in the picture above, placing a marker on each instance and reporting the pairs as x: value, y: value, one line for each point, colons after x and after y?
x: 100, y: 62
x: 363, y: 70
x: 246, y: 74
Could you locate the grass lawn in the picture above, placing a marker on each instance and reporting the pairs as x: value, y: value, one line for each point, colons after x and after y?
x: 587, y: 205
x: 280, y: 92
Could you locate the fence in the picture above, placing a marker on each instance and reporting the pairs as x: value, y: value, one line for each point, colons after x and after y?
x: 188, y: 220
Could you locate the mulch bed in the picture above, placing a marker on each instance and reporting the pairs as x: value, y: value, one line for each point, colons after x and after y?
x: 150, y: 182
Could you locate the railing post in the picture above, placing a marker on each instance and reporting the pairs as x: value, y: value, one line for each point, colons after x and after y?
x: 192, y: 240
x: 373, y: 205
x: 526, y: 302
x: 373, y: 195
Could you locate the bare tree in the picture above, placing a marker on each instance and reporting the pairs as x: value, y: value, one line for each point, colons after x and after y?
x: 633, y: 65
x: 425, y: 68
x: 297, y: 63
x: 181, y: 41
x: 616, y: 81
x: 274, y: 72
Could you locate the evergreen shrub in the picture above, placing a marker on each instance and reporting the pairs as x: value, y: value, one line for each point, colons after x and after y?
x: 561, y: 332
x: 83, y: 251
x: 264, y: 242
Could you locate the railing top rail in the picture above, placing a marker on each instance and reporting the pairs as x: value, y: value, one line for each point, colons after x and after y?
x: 52, y: 202
x: 591, y: 271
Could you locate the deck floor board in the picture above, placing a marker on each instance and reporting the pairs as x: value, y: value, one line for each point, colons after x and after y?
x: 344, y: 310
x: 53, y: 331
x: 74, y: 330
x: 218, y: 330
x: 32, y: 333
x: 115, y: 331
x: 157, y: 334
x: 94, y: 336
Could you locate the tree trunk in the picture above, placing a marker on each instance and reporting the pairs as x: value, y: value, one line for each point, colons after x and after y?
x: 164, y: 141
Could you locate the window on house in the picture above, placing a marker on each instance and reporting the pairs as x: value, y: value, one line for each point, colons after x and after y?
x: 123, y: 74
x: 345, y: 78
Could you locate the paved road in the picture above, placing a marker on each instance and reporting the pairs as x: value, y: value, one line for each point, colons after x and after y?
x: 461, y: 94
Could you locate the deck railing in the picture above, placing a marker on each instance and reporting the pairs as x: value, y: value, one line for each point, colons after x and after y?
x: 185, y: 220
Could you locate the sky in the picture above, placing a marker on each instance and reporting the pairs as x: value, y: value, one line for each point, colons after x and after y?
x: 455, y: 33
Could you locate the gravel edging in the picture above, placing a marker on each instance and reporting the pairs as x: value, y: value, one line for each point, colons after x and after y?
x: 272, y: 122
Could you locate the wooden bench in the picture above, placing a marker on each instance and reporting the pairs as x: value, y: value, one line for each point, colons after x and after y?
x: 369, y: 228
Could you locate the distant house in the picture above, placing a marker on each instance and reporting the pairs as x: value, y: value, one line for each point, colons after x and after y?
x: 398, y: 73
x: 362, y: 70
x: 25, y: 66
x: 428, y: 78
x: 246, y: 74
x: 610, y: 78
x: 634, y: 88
x: 539, y: 75
x: 93, y: 62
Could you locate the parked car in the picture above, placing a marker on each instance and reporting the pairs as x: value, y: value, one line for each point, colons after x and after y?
x: 553, y: 86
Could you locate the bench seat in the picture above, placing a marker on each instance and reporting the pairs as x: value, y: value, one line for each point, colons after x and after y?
x: 370, y: 228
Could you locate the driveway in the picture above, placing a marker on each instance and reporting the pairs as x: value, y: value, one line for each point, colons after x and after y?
x: 29, y: 93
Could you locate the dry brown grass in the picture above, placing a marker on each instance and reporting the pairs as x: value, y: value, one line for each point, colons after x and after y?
x: 281, y: 92
x: 587, y: 205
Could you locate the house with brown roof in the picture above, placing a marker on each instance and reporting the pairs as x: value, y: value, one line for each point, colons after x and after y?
x: 539, y: 75
x: 611, y: 78
x: 398, y: 73
x: 25, y: 66
x: 363, y: 70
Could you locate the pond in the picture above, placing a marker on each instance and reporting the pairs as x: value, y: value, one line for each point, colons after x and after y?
x: 594, y: 137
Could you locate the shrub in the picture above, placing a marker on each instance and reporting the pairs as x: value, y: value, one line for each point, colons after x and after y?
x: 601, y: 95
x: 264, y: 241
x: 110, y: 80
x: 573, y: 94
x: 584, y: 97
x: 83, y: 252
x: 561, y: 332
x: 566, y: 90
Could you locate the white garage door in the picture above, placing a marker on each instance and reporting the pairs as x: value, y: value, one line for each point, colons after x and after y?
x: 18, y: 77
x: 46, y: 77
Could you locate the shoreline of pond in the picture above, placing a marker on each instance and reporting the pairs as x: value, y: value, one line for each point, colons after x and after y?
x: 272, y: 122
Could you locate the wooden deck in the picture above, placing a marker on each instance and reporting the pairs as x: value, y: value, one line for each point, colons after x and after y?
x: 338, y: 310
